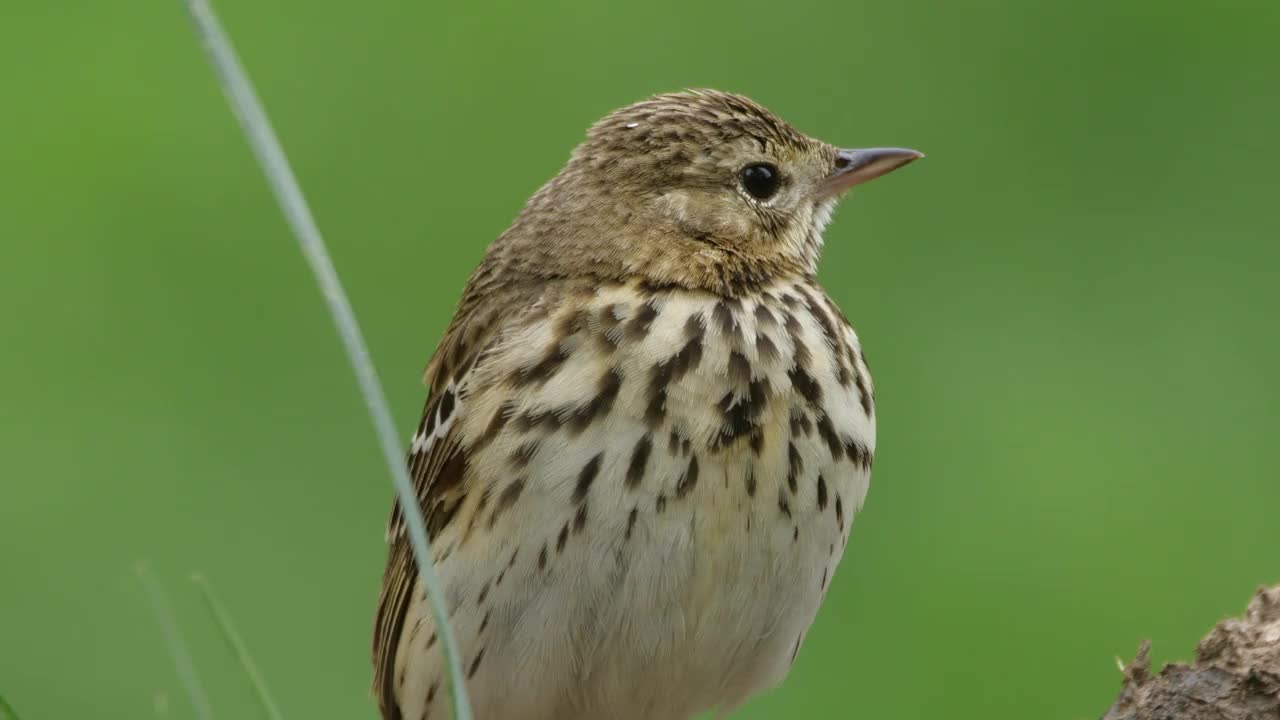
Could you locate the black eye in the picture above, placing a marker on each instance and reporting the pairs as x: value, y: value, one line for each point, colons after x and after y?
x: 761, y: 180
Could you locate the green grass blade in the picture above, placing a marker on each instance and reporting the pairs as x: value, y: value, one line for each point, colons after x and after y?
x: 174, y: 641
x: 223, y: 620
x: 275, y: 165
x: 6, y: 710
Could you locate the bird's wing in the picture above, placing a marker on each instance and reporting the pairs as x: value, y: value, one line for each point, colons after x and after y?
x: 437, y: 461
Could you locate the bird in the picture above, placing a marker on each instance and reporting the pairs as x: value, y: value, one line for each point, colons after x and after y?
x: 647, y: 430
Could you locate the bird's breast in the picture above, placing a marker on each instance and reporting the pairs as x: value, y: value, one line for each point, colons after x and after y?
x: 686, y: 417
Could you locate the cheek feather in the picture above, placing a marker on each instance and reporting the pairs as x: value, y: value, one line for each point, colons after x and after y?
x: 822, y: 213
x: 801, y: 238
x: 706, y: 217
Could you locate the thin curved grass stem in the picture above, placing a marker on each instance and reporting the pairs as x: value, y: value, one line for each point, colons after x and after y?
x: 223, y: 620
x: 175, y: 642
x: 275, y: 165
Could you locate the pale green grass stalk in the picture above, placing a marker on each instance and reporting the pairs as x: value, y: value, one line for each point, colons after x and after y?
x: 275, y: 165
x: 176, y: 644
x: 223, y: 620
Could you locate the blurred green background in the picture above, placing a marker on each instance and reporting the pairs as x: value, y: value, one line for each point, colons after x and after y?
x: 1070, y: 308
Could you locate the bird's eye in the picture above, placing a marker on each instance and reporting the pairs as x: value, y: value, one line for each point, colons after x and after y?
x: 761, y: 180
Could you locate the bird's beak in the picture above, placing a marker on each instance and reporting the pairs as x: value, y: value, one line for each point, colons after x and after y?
x: 854, y: 167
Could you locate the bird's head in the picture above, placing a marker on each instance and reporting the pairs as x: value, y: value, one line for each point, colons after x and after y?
x: 699, y: 189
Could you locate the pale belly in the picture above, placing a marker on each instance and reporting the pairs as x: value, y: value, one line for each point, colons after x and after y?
x: 712, y: 601
x: 683, y: 573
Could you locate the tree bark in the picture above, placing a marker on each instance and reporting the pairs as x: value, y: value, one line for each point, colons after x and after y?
x: 1235, y: 676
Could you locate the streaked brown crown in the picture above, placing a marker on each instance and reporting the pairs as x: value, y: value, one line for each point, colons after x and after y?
x: 677, y: 137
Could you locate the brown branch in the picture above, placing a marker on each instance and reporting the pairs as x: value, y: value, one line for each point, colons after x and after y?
x: 1235, y: 676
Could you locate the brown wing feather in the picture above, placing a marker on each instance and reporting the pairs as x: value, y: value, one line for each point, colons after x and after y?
x: 433, y: 470
x: 437, y: 468
x: 397, y: 587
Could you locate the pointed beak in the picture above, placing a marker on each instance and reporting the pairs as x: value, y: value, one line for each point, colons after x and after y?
x: 854, y: 167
